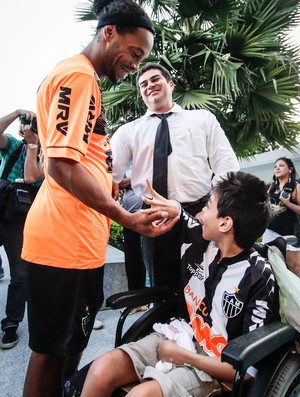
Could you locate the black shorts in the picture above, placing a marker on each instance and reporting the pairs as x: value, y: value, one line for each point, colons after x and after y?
x: 62, y: 306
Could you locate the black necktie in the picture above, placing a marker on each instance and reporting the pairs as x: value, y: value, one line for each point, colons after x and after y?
x: 162, y: 148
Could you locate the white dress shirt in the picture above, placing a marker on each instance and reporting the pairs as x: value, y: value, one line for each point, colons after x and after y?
x: 195, y: 136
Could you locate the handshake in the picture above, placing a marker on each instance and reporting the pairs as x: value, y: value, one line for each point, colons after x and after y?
x: 170, y: 208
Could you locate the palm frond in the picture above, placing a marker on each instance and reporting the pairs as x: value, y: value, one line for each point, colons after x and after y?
x: 84, y: 11
x: 229, y: 56
x: 195, y: 99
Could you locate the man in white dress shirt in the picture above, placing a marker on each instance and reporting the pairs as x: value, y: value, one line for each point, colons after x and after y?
x: 201, y: 153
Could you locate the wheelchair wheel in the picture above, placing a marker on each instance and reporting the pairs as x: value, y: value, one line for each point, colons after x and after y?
x: 287, y: 380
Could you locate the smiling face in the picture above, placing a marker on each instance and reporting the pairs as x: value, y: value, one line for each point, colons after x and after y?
x: 124, y: 52
x: 209, y: 219
x: 156, y: 91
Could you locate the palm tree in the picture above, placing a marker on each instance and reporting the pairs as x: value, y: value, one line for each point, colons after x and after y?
x: 229, y: 56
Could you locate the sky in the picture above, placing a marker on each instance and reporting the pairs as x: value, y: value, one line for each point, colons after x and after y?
x: 34, y: 36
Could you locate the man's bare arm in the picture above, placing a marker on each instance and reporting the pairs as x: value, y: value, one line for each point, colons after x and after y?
x: 73, y: 177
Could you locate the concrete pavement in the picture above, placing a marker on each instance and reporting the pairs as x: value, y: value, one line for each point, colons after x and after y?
x: 13, y: 362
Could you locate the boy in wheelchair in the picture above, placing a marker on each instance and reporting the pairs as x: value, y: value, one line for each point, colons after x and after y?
x: 228, y: 289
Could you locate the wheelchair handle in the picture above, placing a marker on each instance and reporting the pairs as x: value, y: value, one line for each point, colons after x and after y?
x: 290, y: 239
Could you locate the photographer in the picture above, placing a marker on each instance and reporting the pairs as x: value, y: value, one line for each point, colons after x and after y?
x: 20, y: 163
x: 284, y: 195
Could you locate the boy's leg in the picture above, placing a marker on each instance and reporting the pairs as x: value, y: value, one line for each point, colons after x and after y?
x: 121, y: 367
x: 108, y: 372
x: 147, y: 389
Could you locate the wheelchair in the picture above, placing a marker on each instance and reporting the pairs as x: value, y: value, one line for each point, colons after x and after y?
x: 272, y: 349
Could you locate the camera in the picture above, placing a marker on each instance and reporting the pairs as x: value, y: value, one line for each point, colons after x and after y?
x: 286, y: 192
x: 24, y: 121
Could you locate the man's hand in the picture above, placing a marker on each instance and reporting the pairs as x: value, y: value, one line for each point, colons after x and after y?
x: 152, y: 224
x: 7, y: 120
x: 29, y: 136
x: 29, y: 114
x: 25, y: 127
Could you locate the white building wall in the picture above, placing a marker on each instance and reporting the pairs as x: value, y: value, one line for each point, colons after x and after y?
x: 262, y: 165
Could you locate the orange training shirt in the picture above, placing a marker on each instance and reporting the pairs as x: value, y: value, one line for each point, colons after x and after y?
x: 60, y: 230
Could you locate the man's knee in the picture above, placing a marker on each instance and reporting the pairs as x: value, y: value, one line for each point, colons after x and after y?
x: 39, y: 360
x: 44, y: 376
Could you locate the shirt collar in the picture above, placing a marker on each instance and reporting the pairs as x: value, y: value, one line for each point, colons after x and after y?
x: 243, y: 255
x: 175, y: 109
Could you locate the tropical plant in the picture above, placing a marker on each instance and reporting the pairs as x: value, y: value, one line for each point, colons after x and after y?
x: 229, y: 56
x: 116, y: 237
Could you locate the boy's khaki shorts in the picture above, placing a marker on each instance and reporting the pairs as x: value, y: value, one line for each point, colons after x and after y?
x: 182, y: 381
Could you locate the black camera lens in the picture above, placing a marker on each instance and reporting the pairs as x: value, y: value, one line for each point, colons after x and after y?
x: 285, y: 194
x: 23, y: 119
x: 33, y: 125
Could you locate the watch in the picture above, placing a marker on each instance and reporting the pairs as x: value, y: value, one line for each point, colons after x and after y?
x: 32, y: 146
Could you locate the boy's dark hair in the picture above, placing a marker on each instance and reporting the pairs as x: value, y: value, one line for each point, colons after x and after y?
x: 149, y: 66
x: 126, y: 15
x: 244, y: 198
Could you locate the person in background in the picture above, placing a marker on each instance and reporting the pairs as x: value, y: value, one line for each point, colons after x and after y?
x: 134, y: 263
x: 65, y: 257
x: 28, y: 168
x: 284, y: 194
x: 228, y: 289
x: 199, y: 153
x: 1, y: 266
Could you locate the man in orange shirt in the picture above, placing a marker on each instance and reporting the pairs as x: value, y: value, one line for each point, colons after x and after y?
x: 67, y: 229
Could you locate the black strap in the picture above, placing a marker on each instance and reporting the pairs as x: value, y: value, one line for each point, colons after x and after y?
x: 13, y: 158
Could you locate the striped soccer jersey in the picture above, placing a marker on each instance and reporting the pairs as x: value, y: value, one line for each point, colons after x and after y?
x: 224, y: 299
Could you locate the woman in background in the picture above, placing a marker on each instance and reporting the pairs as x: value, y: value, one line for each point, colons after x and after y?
x: 284, y: 194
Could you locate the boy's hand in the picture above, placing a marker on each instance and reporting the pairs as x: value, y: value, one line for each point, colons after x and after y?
x: 159, y: 203
x: 170, y: 352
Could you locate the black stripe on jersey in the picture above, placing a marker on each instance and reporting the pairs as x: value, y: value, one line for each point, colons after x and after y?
x: 68, y: 147
x: 239, y: 291
x: 216, y: 271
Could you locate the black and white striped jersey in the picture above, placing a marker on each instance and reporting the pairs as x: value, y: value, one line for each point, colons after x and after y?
x: 224, y: 299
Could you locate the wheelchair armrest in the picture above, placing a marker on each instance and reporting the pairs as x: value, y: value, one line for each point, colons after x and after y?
x: 248, y: 349
x: 138, y: 297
